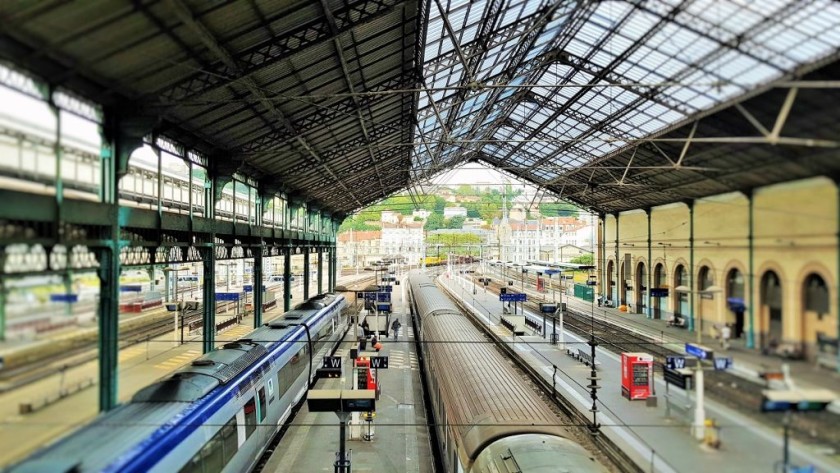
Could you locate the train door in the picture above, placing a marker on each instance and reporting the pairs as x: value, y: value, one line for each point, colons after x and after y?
x: 262, y: 412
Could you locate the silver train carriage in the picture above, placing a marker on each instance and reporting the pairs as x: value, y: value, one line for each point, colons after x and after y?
x: 487, y: 418
x: 216, y: 414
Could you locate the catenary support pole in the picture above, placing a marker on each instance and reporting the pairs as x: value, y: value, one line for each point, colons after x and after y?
x: 208, y: 315
x: 619, y: 278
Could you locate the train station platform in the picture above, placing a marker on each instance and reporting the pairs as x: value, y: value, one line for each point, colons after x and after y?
x: 749, y: 363
x: 401, y: 438
x: 657, y: 438
x: 54, y: 414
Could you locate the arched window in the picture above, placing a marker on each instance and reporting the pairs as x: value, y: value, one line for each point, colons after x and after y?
x: 735, y: 284
x: 680, y: 276
x: 705, y: 278
x: 816, y: 295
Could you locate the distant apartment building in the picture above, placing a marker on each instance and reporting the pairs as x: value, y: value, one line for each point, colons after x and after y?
x: 358, y: 248
x: 422, y: 213
x: 390, y: 216
x: 449, y: 212
x: 403, y: 240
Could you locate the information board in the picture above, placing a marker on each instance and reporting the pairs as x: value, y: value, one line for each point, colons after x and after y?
x: 516, y: 297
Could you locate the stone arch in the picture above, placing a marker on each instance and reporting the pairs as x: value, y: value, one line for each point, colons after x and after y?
x: 680, y: 277
x: 815, y: 312
x: 640, y: 285
x: 735, y: 296
x: 771, y: 308
x: 659, y: 281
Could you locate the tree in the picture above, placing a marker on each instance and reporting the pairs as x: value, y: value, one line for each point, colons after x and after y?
x: 434, y: 222
x: 357, y: 223
x: 440, y: 204
x: 558, y: 209
x: 455, y: 222
x: 586, y: 259
x: 465, y: 189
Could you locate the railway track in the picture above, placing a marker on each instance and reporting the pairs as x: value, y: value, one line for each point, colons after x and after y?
x: 728, y: 389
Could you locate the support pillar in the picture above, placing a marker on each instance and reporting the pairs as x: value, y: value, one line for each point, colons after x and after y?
x: 109, y: 307
x: 287, y: 279
x: 332, y: 269
x: 836, y: 290
x: 208, y: 258
x: 619, y: 278
x: 2, y: 311
x: 649, y: 268
x: 306, y: 273
x: 751, y: 269
x: 690, y: 204
x: 320, y: 270
x: 605, y: 284
x: 258, y: 286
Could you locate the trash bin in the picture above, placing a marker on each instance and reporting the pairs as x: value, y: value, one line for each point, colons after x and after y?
x: 362, y: 343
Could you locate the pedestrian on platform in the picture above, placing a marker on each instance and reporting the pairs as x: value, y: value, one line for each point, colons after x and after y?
x: 395, y: 327
x: 725, y: 333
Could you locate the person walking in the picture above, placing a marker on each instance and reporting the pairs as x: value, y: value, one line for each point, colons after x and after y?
x: 395, y: 327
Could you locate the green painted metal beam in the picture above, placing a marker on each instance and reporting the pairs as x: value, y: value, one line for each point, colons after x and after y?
x: 691, y: 321
x: 287, y: 280
x: 649, y: 268
x: 320, y: 271
x: 208, y: 290
x: 751, y: 268
x: 109, y: 304
x: 306, y: 273
x: 258, y: 285
x: 619, y: 278
x: 2, y: 311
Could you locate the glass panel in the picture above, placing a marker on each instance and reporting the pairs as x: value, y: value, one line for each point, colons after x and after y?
x: 250, y: 417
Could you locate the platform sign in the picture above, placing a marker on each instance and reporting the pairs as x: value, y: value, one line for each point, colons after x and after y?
x: 227, y: 296
x: 379, y: 362
x: 332, y: 362
x: 68, y: 298
x: 548, y: 308
x: 675, y: 362
x: 659, y: 292
x: 517, y: 297
x: 385, y: 288
x: 130, y: 288
x: 360, y: 295
x: 250, y: 288
x: 704, y: 353
x: 678, y: 378
x: 383, y: 306
x: 383, y: 296
x: 723, y: 363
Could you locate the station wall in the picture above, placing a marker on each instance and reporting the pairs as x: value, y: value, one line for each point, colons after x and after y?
x: 794, y: 266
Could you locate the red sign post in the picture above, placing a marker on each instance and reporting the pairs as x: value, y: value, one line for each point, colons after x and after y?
x: 636, y: 374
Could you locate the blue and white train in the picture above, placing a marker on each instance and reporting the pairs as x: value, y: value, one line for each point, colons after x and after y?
x: 216, y: 414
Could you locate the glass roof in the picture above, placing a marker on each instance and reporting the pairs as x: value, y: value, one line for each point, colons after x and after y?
x: 551, y: 86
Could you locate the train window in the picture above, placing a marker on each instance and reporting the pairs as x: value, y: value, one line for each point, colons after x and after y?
x: 228, y: 434
x: 261, y: 394
x: 250, y: 417
x: 212, y: 456
x: 270, y: 384
x: 193, y: 466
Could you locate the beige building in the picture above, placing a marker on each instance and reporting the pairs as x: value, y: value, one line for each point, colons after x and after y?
x: 358, y: 249
x: 769, y: 265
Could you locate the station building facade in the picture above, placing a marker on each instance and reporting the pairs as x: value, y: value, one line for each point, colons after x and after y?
x: 766, y: 264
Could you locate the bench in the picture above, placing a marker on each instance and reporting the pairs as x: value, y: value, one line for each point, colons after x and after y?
x: 827, y: 351
x: 586, y: 358
x: 510, y: 325
x: 677, y: 322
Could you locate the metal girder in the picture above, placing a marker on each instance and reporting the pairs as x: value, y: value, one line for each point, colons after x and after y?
x: 185, y: 15
x: 351, y: 15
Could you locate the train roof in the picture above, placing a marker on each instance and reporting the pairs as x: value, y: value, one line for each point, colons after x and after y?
x: 489, y: 399
x: 109, y: 436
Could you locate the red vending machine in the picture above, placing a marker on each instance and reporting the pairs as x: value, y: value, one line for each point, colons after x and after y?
x: 636, y: 371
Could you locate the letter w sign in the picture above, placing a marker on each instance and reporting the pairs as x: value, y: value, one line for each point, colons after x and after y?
x: 332, y: 362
